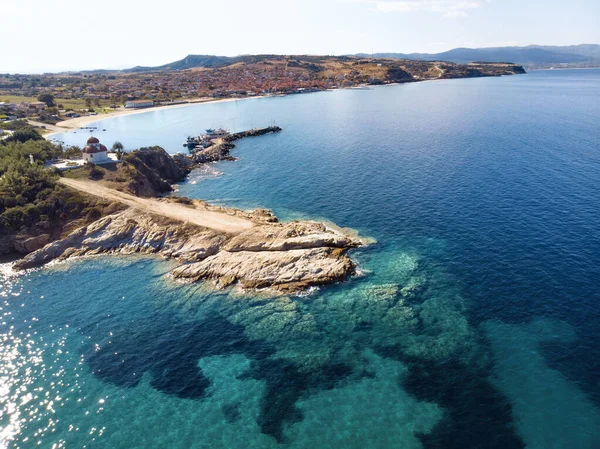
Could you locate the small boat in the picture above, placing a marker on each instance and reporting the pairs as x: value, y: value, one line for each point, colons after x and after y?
x: 215, y: 133
x: 190, y: 143
x: 205, y: 140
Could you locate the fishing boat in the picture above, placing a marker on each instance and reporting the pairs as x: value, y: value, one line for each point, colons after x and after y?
x: 205, y: 140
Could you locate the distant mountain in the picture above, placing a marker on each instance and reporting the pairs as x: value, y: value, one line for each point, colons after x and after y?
x: 213, y: 62
x: 533, y: 56
x: 189, y: 62
x: 584, y: 55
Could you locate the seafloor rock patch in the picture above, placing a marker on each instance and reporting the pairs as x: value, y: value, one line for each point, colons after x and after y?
x: 387, y: 416
x: 549, y: 410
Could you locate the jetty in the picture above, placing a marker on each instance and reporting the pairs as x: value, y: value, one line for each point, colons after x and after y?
x: 216, y: 144
x: 252, y: 133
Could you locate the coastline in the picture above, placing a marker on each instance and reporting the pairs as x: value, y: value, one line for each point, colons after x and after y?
x: 226, y: 247
x: 562, y: 68
x: 78, y: 122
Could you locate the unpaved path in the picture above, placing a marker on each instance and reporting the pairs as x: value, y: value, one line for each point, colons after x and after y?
x: 208, y: 219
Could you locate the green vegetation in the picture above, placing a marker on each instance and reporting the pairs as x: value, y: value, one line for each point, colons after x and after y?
x: 94, y: 172
x: 73, y: 104
x: 118, y: 148
x: 23, y: 131
x: 23, y: 135
x: 15, y: 125
x: 30, y: 196
x: 48, y: 99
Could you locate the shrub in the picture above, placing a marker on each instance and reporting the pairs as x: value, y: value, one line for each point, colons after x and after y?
x: 94, y: 172
x: 15, y: 125
x: 23, y: 135
x: 71, y: 152
x: 92, y: 213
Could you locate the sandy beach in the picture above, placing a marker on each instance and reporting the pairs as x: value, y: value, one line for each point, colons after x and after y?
x: 78, y: 122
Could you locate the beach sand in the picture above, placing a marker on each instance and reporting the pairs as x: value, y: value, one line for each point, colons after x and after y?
x: 78, y: 122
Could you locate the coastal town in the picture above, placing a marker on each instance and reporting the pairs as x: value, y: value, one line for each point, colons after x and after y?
x: 51, y: 98
x: 318, y: 224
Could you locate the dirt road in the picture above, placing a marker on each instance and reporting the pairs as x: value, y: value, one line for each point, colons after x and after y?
x: 205, y: 218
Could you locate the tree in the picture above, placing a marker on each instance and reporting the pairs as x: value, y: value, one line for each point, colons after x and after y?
x: 23, y: 135
x: 72, y: 152
x: 117, y: 147
x: 48, y: 99
x: 88, y: 102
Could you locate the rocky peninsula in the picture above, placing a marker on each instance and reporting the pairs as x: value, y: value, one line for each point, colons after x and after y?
x: 225, y: 246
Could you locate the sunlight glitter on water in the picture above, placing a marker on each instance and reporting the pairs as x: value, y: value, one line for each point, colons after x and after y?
x: 483, y: 210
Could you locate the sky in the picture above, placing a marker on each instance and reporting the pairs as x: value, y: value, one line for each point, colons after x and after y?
x: 39, y: 36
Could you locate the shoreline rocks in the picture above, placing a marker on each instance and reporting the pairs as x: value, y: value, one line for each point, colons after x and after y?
x: 283, y: 257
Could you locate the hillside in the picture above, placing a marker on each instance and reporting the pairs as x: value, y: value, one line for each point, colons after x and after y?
x: 191, y: 61
x: 317, y: 70
x: 533, y: 56
x: 215, y: 62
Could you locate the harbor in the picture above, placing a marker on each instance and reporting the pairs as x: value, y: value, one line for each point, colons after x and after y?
x: 211, y: 137
x: 216, y: 144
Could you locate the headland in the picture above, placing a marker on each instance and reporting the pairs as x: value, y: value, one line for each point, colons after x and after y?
x: 226, y: 246
x: 190, y: 82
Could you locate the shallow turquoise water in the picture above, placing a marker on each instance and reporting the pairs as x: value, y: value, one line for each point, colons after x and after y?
x: 474, y: 324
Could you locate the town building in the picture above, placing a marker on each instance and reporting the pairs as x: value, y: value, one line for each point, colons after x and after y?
x: 37, y: 105
x: 95, y: 152
x: 139, y: 104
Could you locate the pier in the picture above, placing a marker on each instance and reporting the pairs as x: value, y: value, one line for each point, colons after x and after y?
x: 252, y: 133
x: 216, y: 144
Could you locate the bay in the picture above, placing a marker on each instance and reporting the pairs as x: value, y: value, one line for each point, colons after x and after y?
x: 474, y: 322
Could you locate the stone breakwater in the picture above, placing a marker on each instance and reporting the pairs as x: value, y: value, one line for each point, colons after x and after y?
x: 284, y: 257
x: 220, y: 148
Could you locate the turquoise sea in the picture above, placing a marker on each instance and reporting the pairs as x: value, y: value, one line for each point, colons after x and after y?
x: 475, y: 322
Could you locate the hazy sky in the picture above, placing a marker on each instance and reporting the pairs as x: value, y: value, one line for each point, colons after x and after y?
x: 55, y: 35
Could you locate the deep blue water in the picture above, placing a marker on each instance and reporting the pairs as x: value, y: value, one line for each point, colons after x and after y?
x: 475, y: 324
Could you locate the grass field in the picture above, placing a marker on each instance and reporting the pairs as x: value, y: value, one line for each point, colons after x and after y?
x: 70, y: 103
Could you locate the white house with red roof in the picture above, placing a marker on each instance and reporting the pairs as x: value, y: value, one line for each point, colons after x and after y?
x: 95, y: 152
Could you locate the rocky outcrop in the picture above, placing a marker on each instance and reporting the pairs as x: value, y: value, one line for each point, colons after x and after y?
x: 479, y: 69
x: 127, y: 233
x: 261, y: 254
x: 286, y: 257
x: 7, y: 243
x: 184, y: 162
x: 295, y: 235
x: 29, y: 244
x: 154, y: 171
x: 396, y: 74
x: 159, y: 162
x: 288, y: 271
x: 218, y: 151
